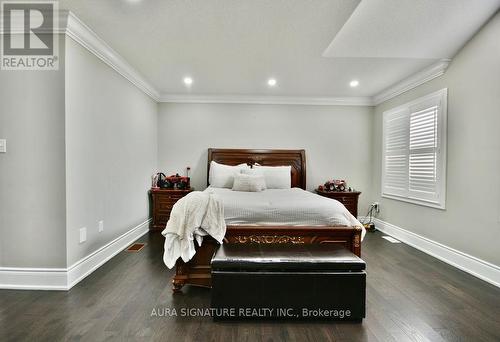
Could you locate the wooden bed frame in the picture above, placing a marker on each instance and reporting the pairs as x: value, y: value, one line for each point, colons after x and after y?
x: 198, y: 271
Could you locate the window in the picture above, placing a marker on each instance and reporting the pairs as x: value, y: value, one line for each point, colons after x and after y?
x: 414, y: 151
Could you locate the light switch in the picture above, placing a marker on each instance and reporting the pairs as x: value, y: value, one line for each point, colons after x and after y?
x: 83, y: 234
x: 3, y: 145
x: 101, y: 226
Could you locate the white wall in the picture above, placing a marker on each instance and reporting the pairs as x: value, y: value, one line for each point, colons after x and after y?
x: 336, y: 138
x: 471, y: 221
x: 82, y: 145
x: 111, y: 151
x: 32, y: 197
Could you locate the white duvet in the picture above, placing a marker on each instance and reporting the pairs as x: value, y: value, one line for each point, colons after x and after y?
x: 288, y: 207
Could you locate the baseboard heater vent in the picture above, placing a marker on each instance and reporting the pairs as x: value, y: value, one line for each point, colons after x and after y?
x: 136, y: 247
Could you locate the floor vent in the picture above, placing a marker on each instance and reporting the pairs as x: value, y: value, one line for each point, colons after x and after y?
x: 136, y: 247
x: 390, y: 239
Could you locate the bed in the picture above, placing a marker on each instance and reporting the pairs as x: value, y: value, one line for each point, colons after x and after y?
x: 284, y: 224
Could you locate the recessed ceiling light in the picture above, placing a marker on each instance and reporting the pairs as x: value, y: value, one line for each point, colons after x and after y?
x: 354, y: 83
x: 271, y: 82
x: 188, y: 81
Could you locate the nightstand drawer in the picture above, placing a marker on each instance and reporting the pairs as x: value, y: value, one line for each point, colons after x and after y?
x: 164, y: 211
x: 349, y: 203
x: 351, y: 207
x: 169, y: 198
x: 164, y: 205
x: 345, y: 199
x: 348, y: 199
x: 163, y: 201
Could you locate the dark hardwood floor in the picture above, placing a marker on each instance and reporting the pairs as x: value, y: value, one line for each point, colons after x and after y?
x: 410, y: 297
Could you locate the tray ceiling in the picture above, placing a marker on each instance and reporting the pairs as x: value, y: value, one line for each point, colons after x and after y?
x: 312, y: 48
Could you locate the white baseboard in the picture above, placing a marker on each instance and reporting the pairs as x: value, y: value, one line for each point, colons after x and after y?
x: 85, y: 266
x: 465, y: 262
x: 16, y: 278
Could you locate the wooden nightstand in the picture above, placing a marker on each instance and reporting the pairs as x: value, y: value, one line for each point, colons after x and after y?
x: 163, y: 201
x: 348, y: 198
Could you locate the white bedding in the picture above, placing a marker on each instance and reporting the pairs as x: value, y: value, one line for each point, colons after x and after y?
x: 194, y: 216
x: 290, y: 207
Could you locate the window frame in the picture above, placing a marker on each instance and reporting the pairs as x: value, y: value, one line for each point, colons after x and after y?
x: 441, y: 98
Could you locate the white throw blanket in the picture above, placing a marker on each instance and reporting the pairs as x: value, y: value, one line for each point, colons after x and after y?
x: 193, y: 216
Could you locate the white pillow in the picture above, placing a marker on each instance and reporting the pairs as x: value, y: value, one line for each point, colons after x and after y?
x: 251, y: 183
x: 253, y: 171
x: 277, y: 177
x: 222, y: 176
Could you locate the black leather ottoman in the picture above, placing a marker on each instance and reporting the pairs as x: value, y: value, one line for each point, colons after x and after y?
x: 320, y: 282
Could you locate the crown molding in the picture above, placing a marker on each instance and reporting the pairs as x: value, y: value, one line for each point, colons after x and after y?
x: 434, y: 70
x: 74, y: 28
x: 83, y: 35
x: 429, y: 73
x: 272, y: 100
x: 67, y: 23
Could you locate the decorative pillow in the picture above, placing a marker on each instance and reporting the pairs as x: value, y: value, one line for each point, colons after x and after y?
x: 277, y: 177
x: 251, y: 183
x: 222, y: 176
x: 255, y: 172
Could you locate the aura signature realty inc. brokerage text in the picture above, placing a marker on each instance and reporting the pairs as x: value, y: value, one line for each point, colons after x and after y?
x: 249, y: 312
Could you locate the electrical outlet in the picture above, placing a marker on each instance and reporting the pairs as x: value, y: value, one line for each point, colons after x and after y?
x: 83, y: 234
x: 376, y: 206
x: 3, y: 145
x: 101, y: 226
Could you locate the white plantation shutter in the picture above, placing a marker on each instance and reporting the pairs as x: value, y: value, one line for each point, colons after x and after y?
x: 414, y: 151
x: 396, y: 153
x: 423, y: 154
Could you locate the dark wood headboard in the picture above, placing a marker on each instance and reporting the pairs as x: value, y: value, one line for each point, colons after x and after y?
x: 295, y: 158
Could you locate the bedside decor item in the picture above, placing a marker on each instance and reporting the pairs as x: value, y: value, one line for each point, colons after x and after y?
x: 177, y: 182
x: 160, y: 180
x: 154, y: 181
x: 348, y: 198
x: 334, y: 185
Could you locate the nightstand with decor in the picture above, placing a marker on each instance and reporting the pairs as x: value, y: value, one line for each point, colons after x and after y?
x: 163, y: 201
x: 337, y: 189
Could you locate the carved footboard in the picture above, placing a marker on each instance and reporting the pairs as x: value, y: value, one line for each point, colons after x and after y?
x: 198, y: 271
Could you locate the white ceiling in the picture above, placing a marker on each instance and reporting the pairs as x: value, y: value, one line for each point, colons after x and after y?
x: 313, y: 48
x: 410, y: 28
